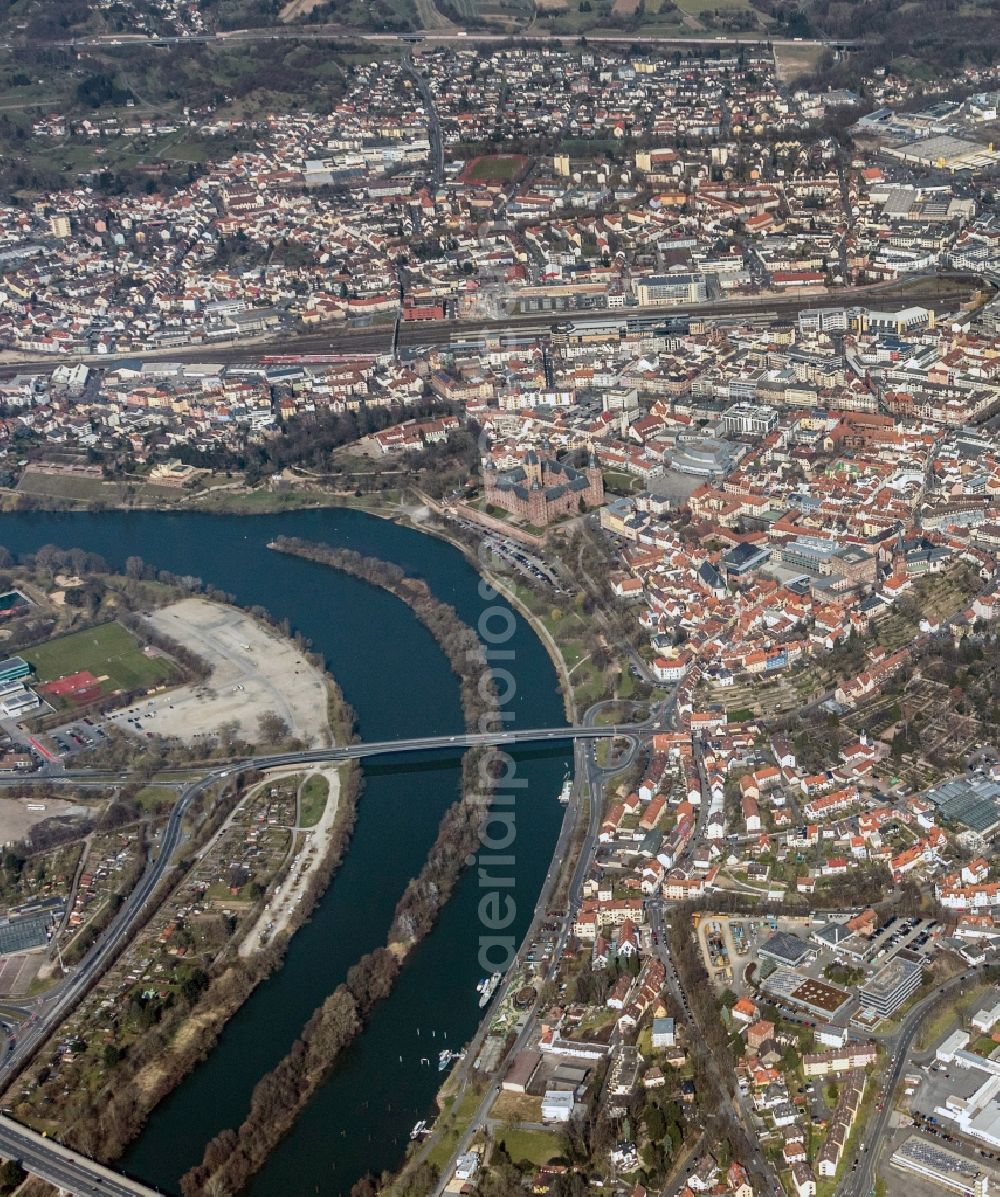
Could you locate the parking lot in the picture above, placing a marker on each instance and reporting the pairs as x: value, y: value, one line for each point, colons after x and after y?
x: 253, y: 671
x: 899, y: 1181
x: 523, y: 561
x: 800, y: 986
x: 76, y: 736
x: 899, y: 933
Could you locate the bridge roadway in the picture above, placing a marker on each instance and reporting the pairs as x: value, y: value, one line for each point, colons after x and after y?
x: 75, y: 1173
x: 346, y: 752
x: 67, y: 1170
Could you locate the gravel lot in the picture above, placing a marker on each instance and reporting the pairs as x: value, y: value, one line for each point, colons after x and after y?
x: 16, y: 819
x: 253, y: 671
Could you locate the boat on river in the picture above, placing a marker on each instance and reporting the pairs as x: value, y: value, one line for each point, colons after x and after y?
x: 486, y: 989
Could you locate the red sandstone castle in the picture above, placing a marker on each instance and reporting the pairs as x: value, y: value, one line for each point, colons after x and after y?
x: 543, y: 489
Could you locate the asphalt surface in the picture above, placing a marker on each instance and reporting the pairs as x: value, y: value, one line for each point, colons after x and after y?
x: 61, y: 1167
x: 861, y: 1182
x: 343, y: 32
x: 433, y: 124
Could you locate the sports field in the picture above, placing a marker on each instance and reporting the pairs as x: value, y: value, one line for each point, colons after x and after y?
x: 109, y: 651
x: 496, y: 168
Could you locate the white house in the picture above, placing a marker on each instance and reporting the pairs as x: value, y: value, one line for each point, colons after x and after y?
x: 557, y: 1105
x: 468, y: 1165
x: 664, y: 1032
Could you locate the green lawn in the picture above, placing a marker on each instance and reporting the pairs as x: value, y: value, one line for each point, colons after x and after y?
x: 537, y: 1146
x: 983, y: 1046
x: 154, y: 799
x: 312, y: 801
x: 109, y: 651
x: 452, y: 1123
x: 496, y: 169
x: 621, y: 483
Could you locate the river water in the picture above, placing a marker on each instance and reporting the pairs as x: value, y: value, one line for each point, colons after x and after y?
x: 400, y: 685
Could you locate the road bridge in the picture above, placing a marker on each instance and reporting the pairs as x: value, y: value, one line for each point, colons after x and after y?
x: 59, y: 1166
x: 500, y: 739
x: 76, y: 1174
x: 207, y: 774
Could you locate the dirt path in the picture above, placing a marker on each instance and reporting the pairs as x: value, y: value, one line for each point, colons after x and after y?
x: 275, y: 915
x: 298, y: 8
x: 432, y: 19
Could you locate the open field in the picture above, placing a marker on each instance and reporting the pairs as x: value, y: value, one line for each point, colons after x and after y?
x: 253, y: 671
x: 18, y: 972
x: 312, y: 800
x: 155, y: 799
x: 17, y: 819
x: 792, y: 62
x: 696, y: 8
x: 453, y: 1122
x: 498, y: 168
x: 110, y: 652
x: 537, y: 1146
x: 84, y: 488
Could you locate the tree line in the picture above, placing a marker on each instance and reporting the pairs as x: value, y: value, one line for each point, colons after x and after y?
x: 232, y: 1157
x: 456, y: 639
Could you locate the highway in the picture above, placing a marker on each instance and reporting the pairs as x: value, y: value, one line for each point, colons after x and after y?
x: 57, y: 1164
x: 346, y: 34
x: 77, y: 1175
x: 116, y: 936
x: 68, y: 1171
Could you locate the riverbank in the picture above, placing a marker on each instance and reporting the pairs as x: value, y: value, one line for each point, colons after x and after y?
x: 502, y: 586
x: 192, y: 975
x: 233, y: 1157
x: 308, y: 850
x: 95, y: 495
x: 361, y: 633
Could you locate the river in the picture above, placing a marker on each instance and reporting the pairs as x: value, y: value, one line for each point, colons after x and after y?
x: 400, y: 685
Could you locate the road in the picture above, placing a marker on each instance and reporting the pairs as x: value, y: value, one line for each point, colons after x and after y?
x: 862, y: 1182
x: 433, y: 124
x: 120, y: 929
x: 596, y: 778
x: 741, y: 1107
x: 65, y: 1169
x: 347, y: 752
x: 116, y: 936
x: 368, y: 341
x: 461, y: 37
